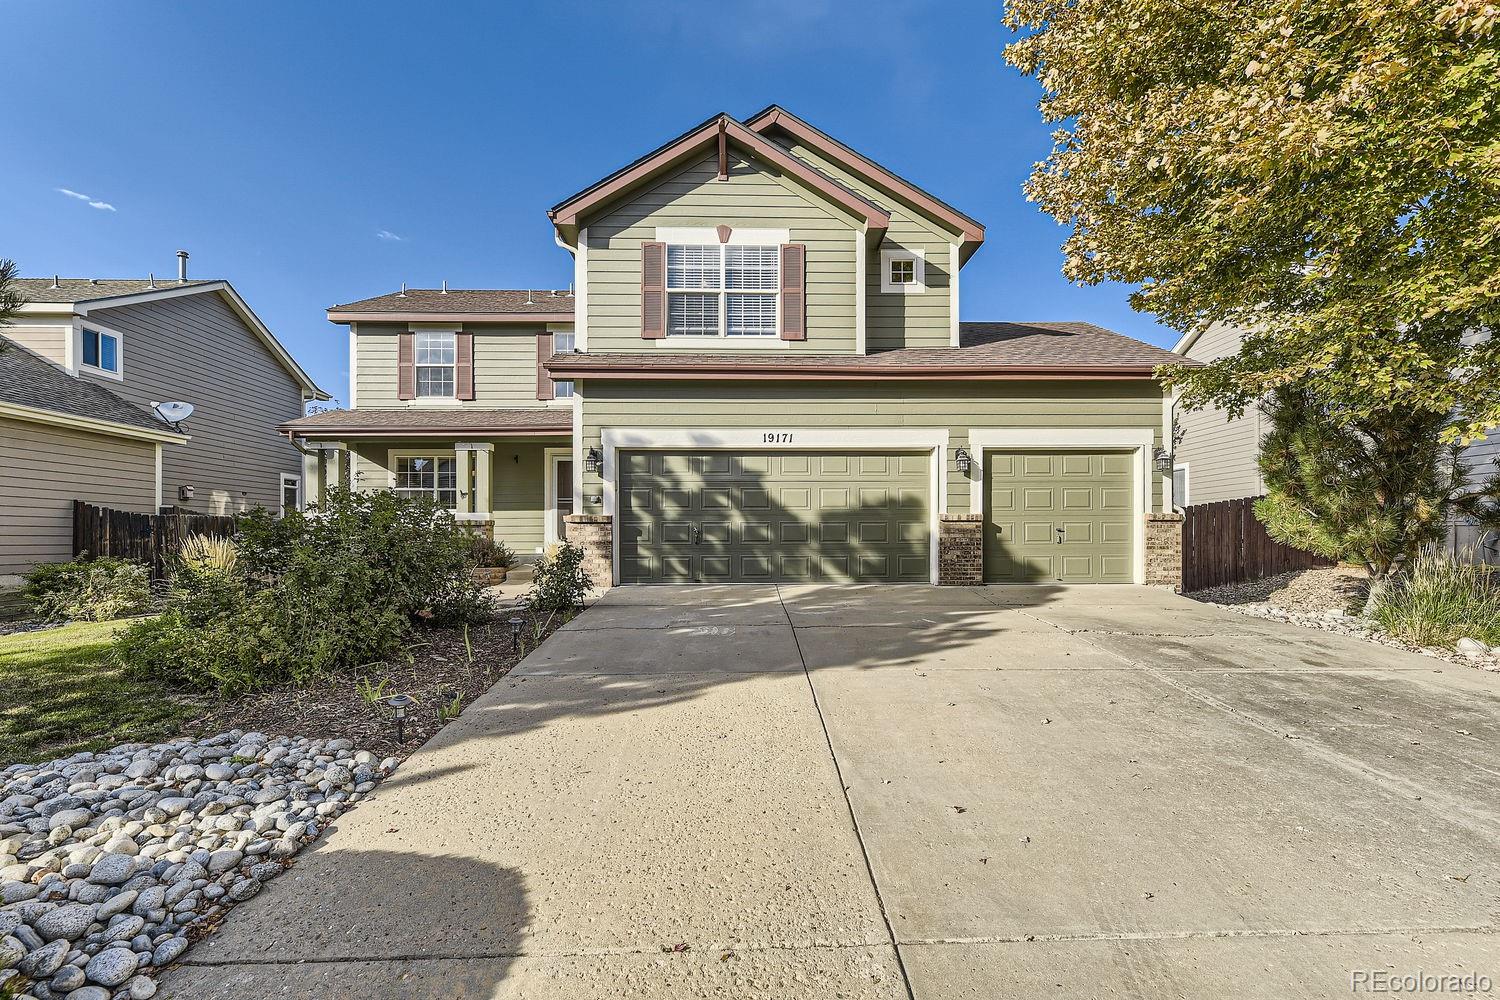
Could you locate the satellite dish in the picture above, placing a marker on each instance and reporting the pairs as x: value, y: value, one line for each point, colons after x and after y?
x: 174, y: 413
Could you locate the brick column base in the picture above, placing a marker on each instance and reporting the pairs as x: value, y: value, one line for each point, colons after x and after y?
x: 960, y: 550
x: 1164, y: 550
x: 595, y: 534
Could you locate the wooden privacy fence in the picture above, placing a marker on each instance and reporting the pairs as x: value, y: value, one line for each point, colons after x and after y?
x: 149, y: 538
x: 1224, y: 543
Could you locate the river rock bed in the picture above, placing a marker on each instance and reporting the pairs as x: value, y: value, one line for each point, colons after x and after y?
x: 111, y: 863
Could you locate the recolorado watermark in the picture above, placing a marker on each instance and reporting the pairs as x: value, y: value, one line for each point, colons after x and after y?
x: 1419, y: 983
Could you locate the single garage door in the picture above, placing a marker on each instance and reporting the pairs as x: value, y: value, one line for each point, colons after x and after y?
x: 765, y: 516
x: 1059, y: 517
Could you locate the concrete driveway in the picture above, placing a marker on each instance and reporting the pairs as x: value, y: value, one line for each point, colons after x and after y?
x: 898, y: 792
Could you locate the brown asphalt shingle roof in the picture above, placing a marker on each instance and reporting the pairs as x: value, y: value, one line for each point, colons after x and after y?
x: 1060, y: 347
x: 450, y: 420
x: 466, y: 300
x: 30, y: 380
x: 87, y: 289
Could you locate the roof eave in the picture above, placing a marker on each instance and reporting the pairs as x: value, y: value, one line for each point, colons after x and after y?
x: 420, y: 316
x: 797, y: 372
x: 567, y: 214
x: 388, y: 431
x: 43, y: 415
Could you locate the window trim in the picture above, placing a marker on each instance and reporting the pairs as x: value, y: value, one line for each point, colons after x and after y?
x: 916, y: 287
x: 1187, y: 485
x: 559, y: 398
x: 460, y: 489
x: 118, y: 374
x: 417, y: 366
x: 286, y: 479
x: 722, y: 292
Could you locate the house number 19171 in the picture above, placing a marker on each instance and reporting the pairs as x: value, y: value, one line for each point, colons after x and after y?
x: 776, y: 437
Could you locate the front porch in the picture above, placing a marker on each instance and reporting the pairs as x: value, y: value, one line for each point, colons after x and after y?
x: 516, y: 482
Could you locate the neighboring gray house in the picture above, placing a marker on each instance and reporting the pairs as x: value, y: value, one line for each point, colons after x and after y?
x: 150, y: 341
x: 1217, y: 457
x: 64, y: 439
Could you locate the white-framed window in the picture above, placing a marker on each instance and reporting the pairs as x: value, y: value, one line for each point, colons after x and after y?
x: 723, y: 290
x: 1180, y: 485
x: 563, y: 343
x: 291, y: 493
x: 903, y: 272
x: 431, y: 476
x: 101, y: 351
x: 436, y: 364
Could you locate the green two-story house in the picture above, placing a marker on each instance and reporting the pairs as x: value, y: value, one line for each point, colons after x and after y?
x: 760, y: 374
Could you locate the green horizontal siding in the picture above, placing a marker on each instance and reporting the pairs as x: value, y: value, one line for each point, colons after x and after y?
x: 752, y: 197
x: 952, y: 406
x: 504, y: 366
x: 895, y: 321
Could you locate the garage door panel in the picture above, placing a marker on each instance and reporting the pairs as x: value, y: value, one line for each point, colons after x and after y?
x: 804, y: 516
x: 1089, y: 497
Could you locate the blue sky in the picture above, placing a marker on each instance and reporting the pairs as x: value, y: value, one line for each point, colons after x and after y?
x: 315, y: 153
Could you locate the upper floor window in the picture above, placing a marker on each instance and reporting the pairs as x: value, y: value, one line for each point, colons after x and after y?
x: 722, y: 290
x: 436, y: 364
x: 902, y: 271
x: 101, y: 351
x: 563, y: 343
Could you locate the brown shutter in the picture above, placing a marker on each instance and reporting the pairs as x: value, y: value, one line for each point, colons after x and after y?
x: 543, y: 380
x: 406, y: 366
x: 463, y: 369
x: 653, y: 291
x: 793, y: 291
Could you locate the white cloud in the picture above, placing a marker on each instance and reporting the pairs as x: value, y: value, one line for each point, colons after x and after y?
x: 386, y: 234
x: 102, y: 206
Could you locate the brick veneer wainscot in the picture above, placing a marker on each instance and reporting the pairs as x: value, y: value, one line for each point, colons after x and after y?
x: 960, y: 550
x: 595, y: 534
x: 1164, y: 550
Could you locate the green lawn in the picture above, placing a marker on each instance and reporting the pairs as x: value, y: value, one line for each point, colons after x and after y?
x: 60, y: 694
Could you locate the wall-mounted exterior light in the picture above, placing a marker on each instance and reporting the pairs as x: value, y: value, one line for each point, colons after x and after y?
x: 593, y: 461
x: 962, y: 460
x: 1162, y: 458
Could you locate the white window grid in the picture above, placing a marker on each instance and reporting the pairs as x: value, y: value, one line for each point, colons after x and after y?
x: 723, y: 291
x: 436, y: 364
x: 433, y: 477
x: 563, y: 343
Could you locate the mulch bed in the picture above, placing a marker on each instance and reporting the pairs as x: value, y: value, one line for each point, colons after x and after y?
x: 438, y: 663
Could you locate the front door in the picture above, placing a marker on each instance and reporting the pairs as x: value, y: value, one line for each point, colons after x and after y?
x: 562, y: 472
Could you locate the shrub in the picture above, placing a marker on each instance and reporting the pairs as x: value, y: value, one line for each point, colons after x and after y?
x: 560, y: 582
x: 89, y: 589
x: 309, y: 594
x: 209, y: 552
x: 486, y: 551
x: 1439, y: 602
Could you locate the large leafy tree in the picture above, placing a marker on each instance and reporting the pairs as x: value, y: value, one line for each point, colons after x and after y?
x: 1323, y: 174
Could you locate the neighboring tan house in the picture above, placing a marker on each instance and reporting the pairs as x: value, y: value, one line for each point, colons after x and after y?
x: 197, y: 342
x: 64, y: 439
x: 761, y: 376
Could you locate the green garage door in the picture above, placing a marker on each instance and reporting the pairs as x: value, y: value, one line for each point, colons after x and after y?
x: 1059, y: 516
x: 763, y: 516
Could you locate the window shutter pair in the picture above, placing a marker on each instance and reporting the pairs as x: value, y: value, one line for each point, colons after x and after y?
x: 406, y: 365
x: 544, y: 388
x: 793, y: 291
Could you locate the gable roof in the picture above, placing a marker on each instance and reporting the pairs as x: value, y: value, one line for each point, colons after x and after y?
x: 776, y: 117
x: 985, y: 351
x: 566, y: 213
x: 31, y: 382
x: 472, y: 305
x: 83, y: 295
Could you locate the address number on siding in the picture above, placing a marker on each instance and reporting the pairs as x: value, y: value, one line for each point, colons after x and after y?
x: 776, y: 437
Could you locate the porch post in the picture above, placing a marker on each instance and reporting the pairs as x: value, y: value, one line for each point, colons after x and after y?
x: 334, y: 454
x: 482, y: 466
x: 312, y: 478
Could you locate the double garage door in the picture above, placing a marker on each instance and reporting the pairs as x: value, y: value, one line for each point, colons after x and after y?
x: 768, y: 516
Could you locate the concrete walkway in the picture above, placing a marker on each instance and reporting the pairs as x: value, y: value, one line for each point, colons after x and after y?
x: 907, y: 792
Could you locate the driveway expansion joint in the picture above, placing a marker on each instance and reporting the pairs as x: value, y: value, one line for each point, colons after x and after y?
x: 1222, y: 935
